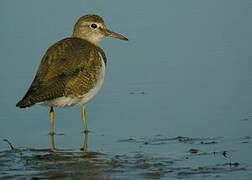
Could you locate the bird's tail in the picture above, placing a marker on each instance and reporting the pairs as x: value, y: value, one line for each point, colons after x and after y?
x: 25, y: 102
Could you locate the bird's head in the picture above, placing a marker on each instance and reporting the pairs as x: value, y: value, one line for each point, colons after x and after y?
x: 92, y: 28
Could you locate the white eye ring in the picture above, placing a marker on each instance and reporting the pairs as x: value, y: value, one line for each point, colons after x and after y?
x: 94, y: 26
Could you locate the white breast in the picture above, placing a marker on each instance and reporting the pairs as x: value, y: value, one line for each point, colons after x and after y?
x: 70, y: 101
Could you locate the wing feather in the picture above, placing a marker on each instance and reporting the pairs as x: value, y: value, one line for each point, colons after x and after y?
x: 69, y: 68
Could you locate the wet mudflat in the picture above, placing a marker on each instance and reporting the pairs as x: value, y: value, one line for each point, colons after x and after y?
x: 176, y: 101
x: 179, y: 158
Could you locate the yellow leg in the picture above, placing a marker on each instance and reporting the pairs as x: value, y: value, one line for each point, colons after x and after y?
x: 84, y: 119
x: 51, y: 115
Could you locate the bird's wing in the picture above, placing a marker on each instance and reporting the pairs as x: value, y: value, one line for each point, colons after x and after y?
x: 69, y: 68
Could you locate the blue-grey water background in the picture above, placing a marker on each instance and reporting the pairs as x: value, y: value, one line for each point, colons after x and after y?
x: 186, y: 71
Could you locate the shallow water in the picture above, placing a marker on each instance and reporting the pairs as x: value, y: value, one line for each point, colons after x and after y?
x: 176, y: 102
x: 180, y: 157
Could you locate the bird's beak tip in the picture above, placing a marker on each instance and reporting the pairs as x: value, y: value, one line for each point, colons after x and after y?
x: 125, y: 39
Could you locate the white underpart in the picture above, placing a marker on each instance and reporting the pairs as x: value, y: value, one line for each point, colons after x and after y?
x: 95, y: 38
x: 82, y: 100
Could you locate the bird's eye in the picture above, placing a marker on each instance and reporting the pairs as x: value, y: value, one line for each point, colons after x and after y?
x: 93, y: 26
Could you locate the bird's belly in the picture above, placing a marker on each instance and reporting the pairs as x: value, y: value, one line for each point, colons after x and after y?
x: 61, y: 101
x: 83, y: 99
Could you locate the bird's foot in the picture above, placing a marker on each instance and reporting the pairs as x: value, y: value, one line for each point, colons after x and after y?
x: 51, y: 133
x: 55, y: 134
x: 85, y: 131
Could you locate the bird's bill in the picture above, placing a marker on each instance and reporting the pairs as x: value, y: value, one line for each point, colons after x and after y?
x: 115, y: 35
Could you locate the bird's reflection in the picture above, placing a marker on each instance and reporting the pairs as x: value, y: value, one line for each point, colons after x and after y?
x: 85, y: 144
x: 52, y: 143
x: 82, y: 164
x: 53, y: 148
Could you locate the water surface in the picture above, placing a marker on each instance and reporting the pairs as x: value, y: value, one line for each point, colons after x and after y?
x: 176, y: 100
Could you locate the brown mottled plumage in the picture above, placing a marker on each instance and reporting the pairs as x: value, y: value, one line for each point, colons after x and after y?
x: 70, y: 68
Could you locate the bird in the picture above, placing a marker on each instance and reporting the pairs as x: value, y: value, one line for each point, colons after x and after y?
x: 72, y: 70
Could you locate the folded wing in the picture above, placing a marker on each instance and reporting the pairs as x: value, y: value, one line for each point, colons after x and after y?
x: 69, y: 68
